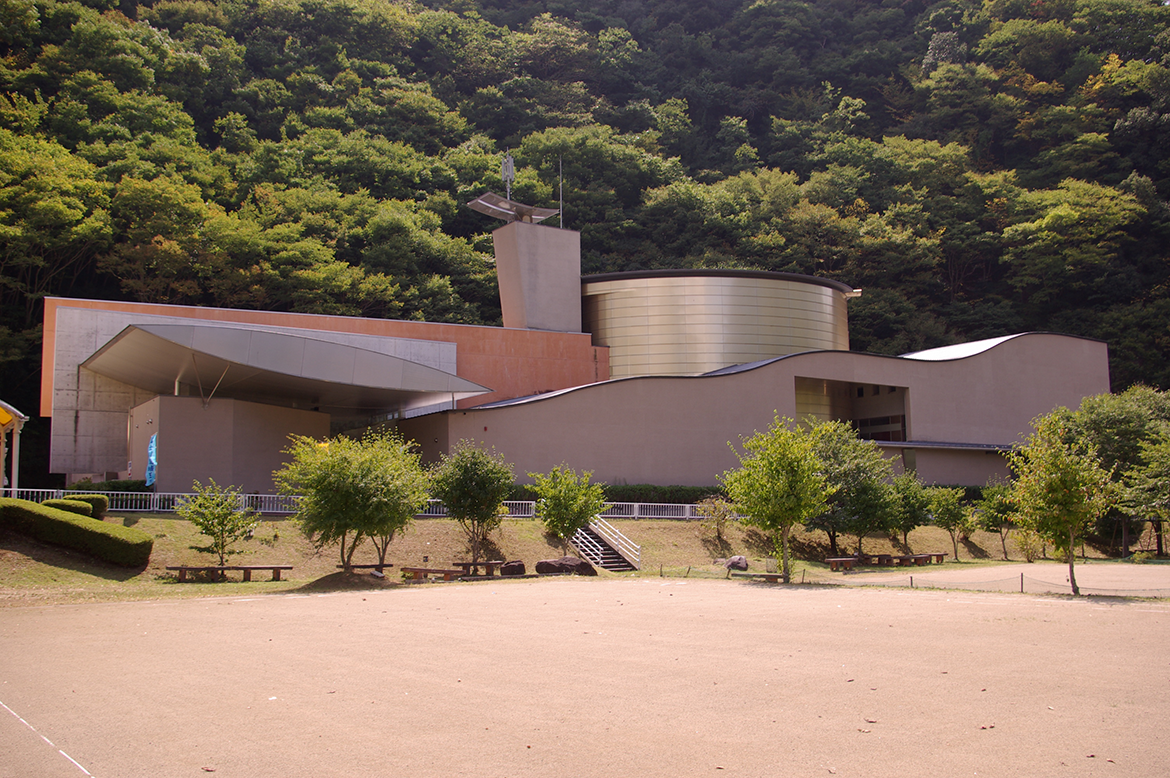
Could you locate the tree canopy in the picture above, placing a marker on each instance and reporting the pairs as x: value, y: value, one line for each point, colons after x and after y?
x: 978, y: 168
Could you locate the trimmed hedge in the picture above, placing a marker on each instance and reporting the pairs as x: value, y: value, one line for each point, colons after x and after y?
x: 679, y: 495
x: 110, y: 486
x: 124, y: 546
x: 650, y: 493
x: 80, y: 507
x: 99, y: 502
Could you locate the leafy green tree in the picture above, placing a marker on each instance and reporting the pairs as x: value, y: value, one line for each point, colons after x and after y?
x: 566, y: 501
x: 353, y: 489
x: 473, y: 484
x: 857, y: 475
x: 1148, y: 485
x: 995, y: 511
x: 216, y: 512
x: 779, y: 483
x: 946, y: 508
x: 911, y: 504
x: 1119, y: 427
x: 1060, y: 486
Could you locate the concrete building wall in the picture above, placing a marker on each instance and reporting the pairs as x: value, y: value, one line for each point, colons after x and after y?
x: 234, y: 442
x: 89, y: 411
x: 676, y: 430
x: 539, y: 272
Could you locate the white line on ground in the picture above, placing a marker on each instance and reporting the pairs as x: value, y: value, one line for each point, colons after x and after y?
x: 42, y: 737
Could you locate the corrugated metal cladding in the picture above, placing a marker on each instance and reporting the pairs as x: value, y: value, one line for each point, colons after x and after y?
x: 691, y: 322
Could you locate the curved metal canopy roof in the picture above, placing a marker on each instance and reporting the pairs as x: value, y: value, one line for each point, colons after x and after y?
x: 273, y: 368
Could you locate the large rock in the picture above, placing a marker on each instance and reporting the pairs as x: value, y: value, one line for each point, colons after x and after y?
x: 512, y: 568
x: 566, y: 564
x: 736, y: 563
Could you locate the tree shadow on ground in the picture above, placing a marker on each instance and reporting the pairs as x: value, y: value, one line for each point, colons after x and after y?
x: 66, y: 558
x: 342, y: 581
x: 899, y: 546
x: 976, y: 551
x: 810, y: 548
x: 718, y: 548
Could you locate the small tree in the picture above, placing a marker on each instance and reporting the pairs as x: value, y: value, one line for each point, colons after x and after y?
x: 778, y: 484
x: 860, y: 500
x: 1060, y: 487
x: 911, y: 504
x: 717, y: 512
x: 353, y: 489
x: 946, y: 505
x: 566, y: 502
x: 995, y: 512
x: 473, y: 484
x: 1148, y: 486
x: 215, y: 511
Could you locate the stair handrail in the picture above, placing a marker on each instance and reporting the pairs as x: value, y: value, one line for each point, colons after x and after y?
x: 588, y: 547
x: 629, y: 550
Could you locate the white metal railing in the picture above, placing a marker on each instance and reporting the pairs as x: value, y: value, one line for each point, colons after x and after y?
x: 651, y: 510
x: 588, y: 547
x: 165, y: 502
x: 156, y: 502
x: 629, y: 550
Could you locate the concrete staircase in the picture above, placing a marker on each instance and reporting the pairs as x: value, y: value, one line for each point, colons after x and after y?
x: 593, y: 546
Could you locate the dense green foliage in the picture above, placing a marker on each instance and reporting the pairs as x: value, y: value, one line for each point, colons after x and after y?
x: 128, y: 485
x: 862, y: 500
x: 114, y: 543
x: 351, y: 489
x: 215, y: 511
x: 73, y: 506
x: 473, y: 484
x: 979, y: 168
x: 566, y: 501
x: 1061, y: 486
x: 779, y: 483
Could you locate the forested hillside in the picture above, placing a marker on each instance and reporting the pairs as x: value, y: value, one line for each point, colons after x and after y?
x: 977, y: 168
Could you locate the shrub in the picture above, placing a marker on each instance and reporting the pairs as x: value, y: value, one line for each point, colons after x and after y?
x: 473, y: 483
x: 652, y: 493
x: 215, y: 511
x: 114, y: 543
x: 567, y: 501
x: 80, y: 507
x: 111, y: 486
x: 99, y: 502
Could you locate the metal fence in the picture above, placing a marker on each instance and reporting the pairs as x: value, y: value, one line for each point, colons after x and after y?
x: 277, y: 504
x: 1016, y: 584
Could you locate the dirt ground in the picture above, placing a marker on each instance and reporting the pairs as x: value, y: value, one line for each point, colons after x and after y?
x: 589, y: 677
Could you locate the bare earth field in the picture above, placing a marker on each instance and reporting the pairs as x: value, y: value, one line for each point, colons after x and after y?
x: 590, y: 677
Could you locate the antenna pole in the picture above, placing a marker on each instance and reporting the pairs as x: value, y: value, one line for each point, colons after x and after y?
x: 508, y: 173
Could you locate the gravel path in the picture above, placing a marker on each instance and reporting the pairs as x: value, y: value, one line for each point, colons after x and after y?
x: 588, y: 677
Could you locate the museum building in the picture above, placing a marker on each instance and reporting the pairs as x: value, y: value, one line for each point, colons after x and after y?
x: 639, y: 377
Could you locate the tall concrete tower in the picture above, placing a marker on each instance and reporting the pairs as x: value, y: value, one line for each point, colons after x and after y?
x: 539, y: 267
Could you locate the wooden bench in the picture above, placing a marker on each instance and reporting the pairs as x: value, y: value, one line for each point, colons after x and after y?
x: 371, y: 566
x: 911, y: 559
x: 182, y: 570
x: 845, y: 562
x: 938, y: 559
x: 422, y: 573
x: 468, y: 567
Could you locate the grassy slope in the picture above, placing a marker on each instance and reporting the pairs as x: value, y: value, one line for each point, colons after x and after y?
x: 32, y: 573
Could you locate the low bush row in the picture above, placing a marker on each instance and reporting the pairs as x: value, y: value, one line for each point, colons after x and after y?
x: 648, y: 493
x: 73, y: 506
x: 114, y: 543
